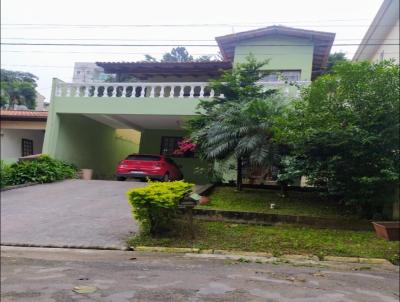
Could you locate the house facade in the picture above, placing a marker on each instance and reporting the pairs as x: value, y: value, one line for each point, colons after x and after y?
x: 156, y: 99
x: 22, y: 133
x: 381, y: 41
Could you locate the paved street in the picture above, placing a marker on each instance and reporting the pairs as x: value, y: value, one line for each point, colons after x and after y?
x: 34, y: 274
x: 72, y: 212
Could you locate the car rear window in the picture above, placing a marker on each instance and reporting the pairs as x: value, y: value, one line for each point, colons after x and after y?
x: 143, y: 157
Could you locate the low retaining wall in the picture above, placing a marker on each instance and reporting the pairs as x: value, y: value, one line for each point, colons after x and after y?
x: 254, y: 217
x: 273, y: 187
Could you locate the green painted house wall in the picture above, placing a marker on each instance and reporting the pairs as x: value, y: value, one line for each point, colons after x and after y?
x: 98, y: 147
x: 286, y: 54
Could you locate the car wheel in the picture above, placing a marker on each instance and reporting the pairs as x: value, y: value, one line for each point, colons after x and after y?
x: 166, y: 177
x: 121, y: 178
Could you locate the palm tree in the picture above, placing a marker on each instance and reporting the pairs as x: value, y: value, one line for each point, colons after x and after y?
x: 244, y: 131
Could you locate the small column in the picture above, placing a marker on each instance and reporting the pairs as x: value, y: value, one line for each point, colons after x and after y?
x: 201, y: 93
x: 172, y: 91
x: 152, y: 91
x: 114, y: 91
x: 143, y: 91
x: 181, y: 92
x: 87, y: 91
x: 95, y: 91
x: 191, y: 92
x: 162, y: 88
x: 123, y: 92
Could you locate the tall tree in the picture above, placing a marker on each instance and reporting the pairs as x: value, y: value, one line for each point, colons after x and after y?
x: 239, y: 123
x: 335, y: 58
x: 181, y: 54
x: 149, y: 58
x: 344, y: 134
x: 18, y: 88
x: 177, y: 54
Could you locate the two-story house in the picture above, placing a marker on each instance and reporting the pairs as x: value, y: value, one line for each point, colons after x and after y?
x: 381, y: 41
x: 83, y: 117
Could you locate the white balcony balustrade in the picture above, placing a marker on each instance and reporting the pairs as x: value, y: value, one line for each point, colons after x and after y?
x: 149, y: 90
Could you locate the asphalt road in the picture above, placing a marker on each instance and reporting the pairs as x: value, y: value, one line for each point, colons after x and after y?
x: 32, y: 274
x: 72, y: 212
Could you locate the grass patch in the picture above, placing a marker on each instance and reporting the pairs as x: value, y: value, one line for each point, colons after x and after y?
x: 277, y: 239
x: 259, y: 200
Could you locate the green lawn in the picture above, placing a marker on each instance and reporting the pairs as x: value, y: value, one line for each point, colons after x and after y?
x: 259, y: 200
x: 277, y: 239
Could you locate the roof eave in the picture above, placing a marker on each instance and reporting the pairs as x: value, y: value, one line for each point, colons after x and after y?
x: 371, y: 30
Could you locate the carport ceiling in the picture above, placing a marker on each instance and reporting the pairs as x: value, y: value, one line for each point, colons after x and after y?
x: 140, y: 122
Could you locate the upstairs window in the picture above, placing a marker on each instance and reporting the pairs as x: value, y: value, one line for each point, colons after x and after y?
x: 282, y: 75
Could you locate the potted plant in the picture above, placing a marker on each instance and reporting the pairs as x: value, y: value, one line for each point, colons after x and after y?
x: 390, y: 230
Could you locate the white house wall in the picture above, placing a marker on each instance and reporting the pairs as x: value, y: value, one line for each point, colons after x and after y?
x: 11, y: 140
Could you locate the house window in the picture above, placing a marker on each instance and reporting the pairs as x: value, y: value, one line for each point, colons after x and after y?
x: 27, y: 147
x: 169, y: 144
x: 282, y: 75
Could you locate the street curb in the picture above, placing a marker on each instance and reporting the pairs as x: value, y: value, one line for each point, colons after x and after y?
x: 66, y: 246
x: 29, y: 184
x: 166, y: 249
x: 260, y: 256
x: 240, y: 256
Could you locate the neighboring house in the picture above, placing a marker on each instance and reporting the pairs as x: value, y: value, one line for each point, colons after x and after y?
x: 22, y: 133
x: 88, y: 73
x: 41, y: 105
x: 381, y: 41
x: 83, y: 117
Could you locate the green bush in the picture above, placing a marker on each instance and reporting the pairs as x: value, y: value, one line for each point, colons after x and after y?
x: 41, y: 170
x: 4, y: 172
x: 156, y: 205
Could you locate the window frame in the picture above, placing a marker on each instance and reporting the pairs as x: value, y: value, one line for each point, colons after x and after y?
x: 24, y: 147
x: 163, y: 143
x: 172, y: 155
x: 282, y: 73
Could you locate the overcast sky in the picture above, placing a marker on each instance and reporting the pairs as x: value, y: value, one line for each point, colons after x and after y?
x: 349, y: 19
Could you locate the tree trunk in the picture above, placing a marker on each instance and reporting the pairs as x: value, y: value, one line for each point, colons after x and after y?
x: 239, y: 174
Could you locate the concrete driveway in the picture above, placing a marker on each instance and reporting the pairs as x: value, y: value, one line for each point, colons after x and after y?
x: 69, y: 213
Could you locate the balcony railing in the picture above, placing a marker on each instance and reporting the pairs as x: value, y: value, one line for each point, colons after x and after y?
x: 149, y: 90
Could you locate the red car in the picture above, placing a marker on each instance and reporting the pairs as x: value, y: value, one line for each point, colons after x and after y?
x: 144, y: 166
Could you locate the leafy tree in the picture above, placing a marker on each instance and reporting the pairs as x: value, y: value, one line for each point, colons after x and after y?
x: 180, y: 54
x: 177, y: 54
x: 149, y: 58
x: 18, y: 88
x: 205, y: 58
x: 333, y: 59
x: 239, y: 123
x: 344, y: 134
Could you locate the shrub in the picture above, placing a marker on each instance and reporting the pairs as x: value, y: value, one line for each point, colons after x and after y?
x: 4, y: 173
x: 156, y: 205
x: 344, y: 135
x: 42, y: 170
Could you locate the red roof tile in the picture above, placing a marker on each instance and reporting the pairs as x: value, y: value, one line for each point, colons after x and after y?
x: 22, y: 115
